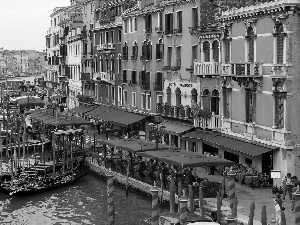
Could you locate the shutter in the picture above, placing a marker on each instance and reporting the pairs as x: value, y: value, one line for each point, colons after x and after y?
x: 136, y: 50
x: 196, y: 17
x: 157, y: 51
x: 150, y: 51
x: 148, y: 80
x: 247, y: 105
x: 171, y: 22
x: 126, y: 52
x: 180, y: 20
x: 161, y: 51
x: 166, y: 23
x: 140, y: 77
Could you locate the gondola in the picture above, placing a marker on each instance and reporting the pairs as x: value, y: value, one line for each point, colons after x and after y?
x: 24, y: 189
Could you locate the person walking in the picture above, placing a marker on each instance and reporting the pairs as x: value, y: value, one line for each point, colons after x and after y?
x: 278, y: 211
x: 287, y: 186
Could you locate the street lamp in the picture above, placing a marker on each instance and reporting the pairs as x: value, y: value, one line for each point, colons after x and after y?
x: 157, y: 129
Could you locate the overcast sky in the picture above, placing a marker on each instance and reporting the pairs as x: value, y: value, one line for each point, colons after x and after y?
x: 24, y: 23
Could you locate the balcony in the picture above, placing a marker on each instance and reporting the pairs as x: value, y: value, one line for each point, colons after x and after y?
x: 108, y: 22
x: 207, y: 68
x: 157, y: 86
x: 247, y: 69
x: 104, y: 76
x: 166, y: 68
x: 213, y: 122
x: 279, y: 70
x: 168, y: 32
x: 134, y: 57
x: 85, y: 77
x: 178, y: 31
x: 148, y: 30
x: 144, y: 58
x: 180, y: 111
x: 158, y: 29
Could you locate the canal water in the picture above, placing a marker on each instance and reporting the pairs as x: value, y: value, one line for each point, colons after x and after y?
x: 85, y: 202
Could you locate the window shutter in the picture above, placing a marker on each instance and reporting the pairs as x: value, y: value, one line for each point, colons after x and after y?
x: 171, y: 22
x: 157, y: 51
x: 140, y: 77
x: 196, y: 17
x: 166, y: 22
x: 161, y: 51
x: 247, y: 105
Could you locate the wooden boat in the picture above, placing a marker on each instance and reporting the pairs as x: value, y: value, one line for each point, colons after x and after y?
x: 24, y: 188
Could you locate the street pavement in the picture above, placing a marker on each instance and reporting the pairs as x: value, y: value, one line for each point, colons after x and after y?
x: 244, y: 194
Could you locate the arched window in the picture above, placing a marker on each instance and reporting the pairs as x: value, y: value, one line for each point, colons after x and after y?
x: 125, y: 52
x: 178, y: 96
x: 250, y: 38
x: 206, y: 51
x: 149, y: 50
x: 135, y: 49
x: 194, y: 96
x: 215, y: 48
x: 205, y: 100
x: 280, y: 41
x: 119, y: 64
x: 215, y: 102
x: 168, y: 95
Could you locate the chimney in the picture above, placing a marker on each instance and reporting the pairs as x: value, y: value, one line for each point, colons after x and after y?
x: 156, y: 2
x: 141, y: 4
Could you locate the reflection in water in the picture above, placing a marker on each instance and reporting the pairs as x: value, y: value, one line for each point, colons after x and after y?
x: 83, y: 203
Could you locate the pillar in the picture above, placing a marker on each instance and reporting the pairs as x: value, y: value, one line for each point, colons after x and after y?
x: 231, y: 187
x: 191, y: 198
x: 110, y: 196
x: 172, y: 196
x: 297, y: 206
x: 179, y: 193
x: 155, y: 206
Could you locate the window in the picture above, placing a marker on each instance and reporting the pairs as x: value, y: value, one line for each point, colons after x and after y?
x: 120, y: 96
x: 125, y: 26
x: 159, y: 99
x: 130, y: 25
x: 168, y: 23
x: 159, y: 49
x: 250, y: 105
x: 250, y: 39
x: 135, y: 24
x: 113, y: 93
x: 194, y: 17
x: 125, y: 52
x: 280, y: 42
x: 168, y: 95
x: 194, y: 53
x: 112, y: 36
x: 147, y: 50
x: 119, y: 36
x: 179, y: 22
x: 101, y: 39
x: 119, y: 64
x: 226, y: 41
x: 158, y: 82
x: 214, y: 106
x: 124, y: 80
x: 148, y: 23
x: 106, y: 37
x: 133, y: 77
x: 215, y: 50
x: 226, y: 98
x: 279, y: 98
x: 194, y: 96
x: 135, y: 50
x: 143, y: 101
x: 159, y: 20
x: 133, y: 99
x: 125, y: 97
x: 169, y: 59
x: 178, y: 56
x: 148, y: 100
x: 206, y: 100
x: 178, y: 96
x: 206, y: 51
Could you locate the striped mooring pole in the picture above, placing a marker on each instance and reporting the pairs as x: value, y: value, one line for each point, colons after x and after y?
x: 155, y: 205
x: 297, y: 206
x: 110, y: 196
x: 231, y: 187
x: 183, y: 209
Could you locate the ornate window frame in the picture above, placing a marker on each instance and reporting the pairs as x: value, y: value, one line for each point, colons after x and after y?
x: 250, y: 23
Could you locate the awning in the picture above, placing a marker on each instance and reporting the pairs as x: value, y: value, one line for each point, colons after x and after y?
x: 82, y: 109
x: 198, y: 135
x: 175, y: 127
x: 30, y: 101
x: 240, y: 146
x: 96, y: 111
x: 185, y: 159
x: 135, y: 145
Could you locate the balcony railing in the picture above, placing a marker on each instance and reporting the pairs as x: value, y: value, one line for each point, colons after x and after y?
x: 174, y: 111
x: 108, y: 77
x: 280, y: 70
x: 85, y: 76
x: 207, y: 68
x: 213, y: 122
x: 158, y: 29
x: 165, y: 68
x: 157, y: 86
x: 168, y: 32
x: 242, y: 69
x: 193, y: 30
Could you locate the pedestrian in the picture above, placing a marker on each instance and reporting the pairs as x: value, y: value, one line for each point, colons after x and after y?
x: 279, y: 201
x: 287, y: 186
x: 278, y: 211
x: 293, y: 200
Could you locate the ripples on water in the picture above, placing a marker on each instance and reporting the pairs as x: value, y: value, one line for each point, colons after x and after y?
x: 83, y: 203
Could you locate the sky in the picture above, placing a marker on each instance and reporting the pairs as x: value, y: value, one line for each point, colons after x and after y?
x: 24, y: 23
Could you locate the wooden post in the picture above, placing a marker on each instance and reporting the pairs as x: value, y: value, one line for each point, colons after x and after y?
x: 283, y: 219
x: 110, y: 196
x: 127, y: 177
x: 191, y: 198
x: 155, y: 205
x: 251, y: 214
x: 235, y: 205
x: 71, y: 150
x: 264, y: 215
x: 201, y: 203
x: 172, y: 196
x: 179, y: 193
x: 219, y: 203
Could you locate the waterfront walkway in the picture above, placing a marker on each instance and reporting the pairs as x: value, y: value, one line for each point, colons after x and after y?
x: 244, y: 194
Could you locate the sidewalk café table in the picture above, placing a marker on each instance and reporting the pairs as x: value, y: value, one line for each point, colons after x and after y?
x: 240, y: 176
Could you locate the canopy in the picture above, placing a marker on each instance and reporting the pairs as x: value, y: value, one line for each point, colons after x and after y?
x: 135, y: 145
x: 30, y: 101
x: 185, y: 159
